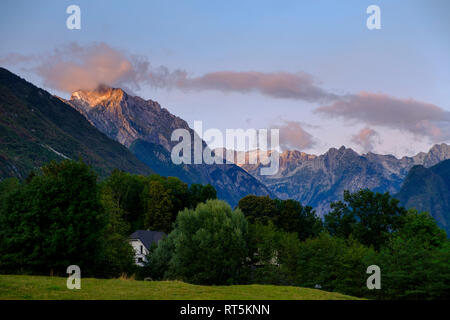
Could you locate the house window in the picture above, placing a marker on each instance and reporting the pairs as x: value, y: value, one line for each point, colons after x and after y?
x: 142, y: 249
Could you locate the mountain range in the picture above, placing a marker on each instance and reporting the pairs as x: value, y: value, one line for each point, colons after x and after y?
x: 320, y: 180
x: 145, y: 128
x: 109, y: 128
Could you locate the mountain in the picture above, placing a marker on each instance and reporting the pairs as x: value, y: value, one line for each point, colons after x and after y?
x: 146, y: 128
x: 36, y: 127
x: 319, y: 180
x: 428, y: 189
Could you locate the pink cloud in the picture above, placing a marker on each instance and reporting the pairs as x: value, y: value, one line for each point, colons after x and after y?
x: 409, y: 115
x: 365, y: 138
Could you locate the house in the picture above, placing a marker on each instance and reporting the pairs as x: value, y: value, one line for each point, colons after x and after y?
x: 141, y: 241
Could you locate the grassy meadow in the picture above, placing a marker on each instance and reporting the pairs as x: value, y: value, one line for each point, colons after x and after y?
x: 54, y: 288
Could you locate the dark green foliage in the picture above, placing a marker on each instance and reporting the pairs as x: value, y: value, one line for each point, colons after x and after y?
x: 334, y: 264
x: 53, y: 221
x: 422, y: 227
x: 369, y: 217
x: 209, y: 245
x: 415, y: 262
x: 288, y: 215
x: 273, y: 255
x: 153, y: 202
x: 158, y: 215
x: 258, y: 209
x: 117, y: 254
x: 125, y: 191
x: 412, y: 270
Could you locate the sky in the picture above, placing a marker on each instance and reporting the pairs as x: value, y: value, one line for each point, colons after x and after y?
x: 310, y: 68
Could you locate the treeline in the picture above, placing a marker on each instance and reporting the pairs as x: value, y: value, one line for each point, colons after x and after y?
x: 269, y: 241
x: 62, y: 215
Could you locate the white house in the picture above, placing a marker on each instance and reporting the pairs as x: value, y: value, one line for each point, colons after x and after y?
x: 141, y: 241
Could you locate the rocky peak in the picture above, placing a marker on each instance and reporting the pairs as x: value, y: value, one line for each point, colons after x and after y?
x: 103, y: 95
x: 126, y: 118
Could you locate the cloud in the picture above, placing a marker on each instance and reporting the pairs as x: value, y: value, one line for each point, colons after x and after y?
x: 366, y: 139
x: 73, y: 67
x: 16, y: 58
x: 409, y: 115
x: 299, y: 86
x: 293, y: 136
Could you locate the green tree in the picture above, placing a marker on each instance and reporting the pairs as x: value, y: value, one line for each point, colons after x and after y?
x: 287, y: 215
x: 258, y: 209
x: 273, y: 255
x: 117, y: 254
x: 369, y: 217
x: 209, y: 244
x: 422, y: 227
x: 53, y: 221
x: 413, y: 270
x: 335, y: 264
x: 200, y: 193
x: 126, y: 190
x: 293, y: 217
x: 159, y: 214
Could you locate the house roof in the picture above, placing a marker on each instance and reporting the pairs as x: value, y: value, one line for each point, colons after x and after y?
x: 147, y: 237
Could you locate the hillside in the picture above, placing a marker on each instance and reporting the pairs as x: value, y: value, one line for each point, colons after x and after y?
x: 36, y: 127
x: 48, y: 288
x: 428, y: 189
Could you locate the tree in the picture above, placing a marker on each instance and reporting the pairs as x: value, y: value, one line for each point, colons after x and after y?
x: 53, y: 221
x: 413, y: 270
x: 293, y: 217
x: 126, y: 190
x: 422, y: 227
x: 287, y: 215
x: 209, y: 244
x: 369, y: 217
x: 158, y: 215
x: 335, y: 264
x: 200, y: 193
x: 258, y: 209
x: 273, y: 255
x: 117, y: 254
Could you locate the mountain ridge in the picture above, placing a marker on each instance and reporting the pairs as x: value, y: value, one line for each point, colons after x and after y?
x: 143, y: 125
x: 428, y: 189
x: 319, y: 180
x: 37, y: 127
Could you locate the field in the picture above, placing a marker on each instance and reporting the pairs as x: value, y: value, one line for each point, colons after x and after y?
x: 54, y: 288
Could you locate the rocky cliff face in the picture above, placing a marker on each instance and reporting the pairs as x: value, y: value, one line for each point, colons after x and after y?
x: 320, y: 180
x: 146, y: 128
x: 127, y: 118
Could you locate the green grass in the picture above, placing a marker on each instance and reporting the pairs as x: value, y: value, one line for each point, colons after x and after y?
x: 54, y: 288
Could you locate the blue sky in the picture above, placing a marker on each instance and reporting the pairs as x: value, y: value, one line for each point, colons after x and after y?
x: 409, y: 58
